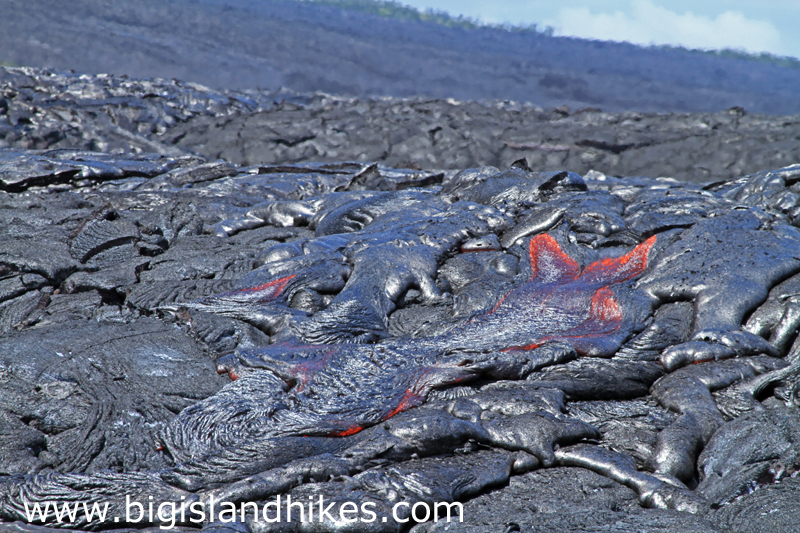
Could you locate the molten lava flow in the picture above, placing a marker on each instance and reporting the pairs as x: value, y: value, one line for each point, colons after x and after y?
x: 266, y: 292
x: 558, y: 303
x: 337, y: 390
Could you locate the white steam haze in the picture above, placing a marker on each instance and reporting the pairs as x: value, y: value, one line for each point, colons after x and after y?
x: 753, y: 26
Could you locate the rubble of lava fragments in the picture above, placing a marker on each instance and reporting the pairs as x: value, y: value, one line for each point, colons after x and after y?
x: 556, y: 352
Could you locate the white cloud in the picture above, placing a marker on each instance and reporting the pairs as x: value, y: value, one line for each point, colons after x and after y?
x: 648, y: 23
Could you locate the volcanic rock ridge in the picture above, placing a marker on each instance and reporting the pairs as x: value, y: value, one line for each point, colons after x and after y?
x: 310, y: 46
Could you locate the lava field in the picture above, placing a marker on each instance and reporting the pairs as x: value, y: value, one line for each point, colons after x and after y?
x: 45, y: 110
x: 555, y: 351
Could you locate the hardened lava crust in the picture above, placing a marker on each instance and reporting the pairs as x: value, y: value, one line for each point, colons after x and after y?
x: 555, y: 351
x: 44, y: 109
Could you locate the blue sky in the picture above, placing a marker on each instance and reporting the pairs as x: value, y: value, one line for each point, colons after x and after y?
x: 752, y: 25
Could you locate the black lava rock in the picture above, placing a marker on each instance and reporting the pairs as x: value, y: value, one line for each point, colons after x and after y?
x: 547, y: 350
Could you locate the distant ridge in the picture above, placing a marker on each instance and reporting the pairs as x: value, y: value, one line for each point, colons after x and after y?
x: 364, y: 48
x: 399, y: 11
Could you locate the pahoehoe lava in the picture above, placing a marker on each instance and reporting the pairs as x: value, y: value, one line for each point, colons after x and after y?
x: 338, y: 390
x: 555, y: 351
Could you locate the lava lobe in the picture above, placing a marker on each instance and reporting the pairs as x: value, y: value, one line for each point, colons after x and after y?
x: 337, y: 390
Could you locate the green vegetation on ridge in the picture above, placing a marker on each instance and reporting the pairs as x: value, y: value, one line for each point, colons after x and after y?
x: 396, y: 10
